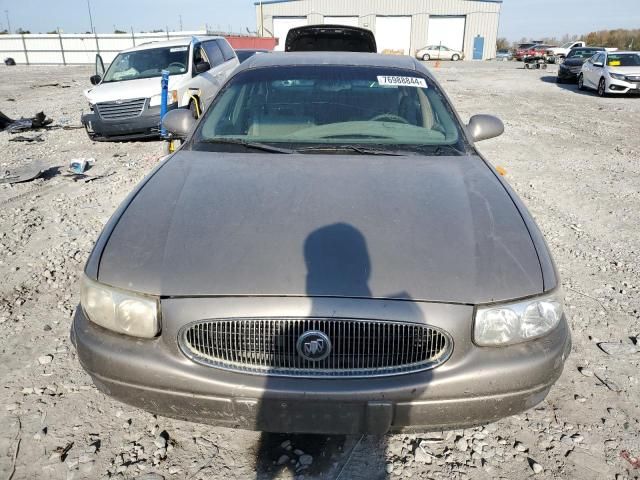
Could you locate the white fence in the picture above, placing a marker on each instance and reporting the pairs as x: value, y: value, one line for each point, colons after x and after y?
x: 76, y: 49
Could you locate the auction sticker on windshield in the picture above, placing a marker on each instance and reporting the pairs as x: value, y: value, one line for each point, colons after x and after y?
x: 393, y: 81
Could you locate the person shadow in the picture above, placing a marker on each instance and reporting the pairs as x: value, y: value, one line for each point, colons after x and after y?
x: 338, y: 267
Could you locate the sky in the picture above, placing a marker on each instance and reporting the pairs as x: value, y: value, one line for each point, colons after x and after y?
x: 520, y: 18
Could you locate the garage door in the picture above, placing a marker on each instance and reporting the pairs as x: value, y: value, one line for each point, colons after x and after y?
x: 282, y: 25
x: 351, y: 21
x: 393, y: 35
x: 448, y: 31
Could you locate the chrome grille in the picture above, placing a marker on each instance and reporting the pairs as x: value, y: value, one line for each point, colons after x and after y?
x: 121, y: 109
x: 359, y: 347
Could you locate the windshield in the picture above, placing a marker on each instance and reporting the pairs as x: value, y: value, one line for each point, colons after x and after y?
x: 382, y: 108
x: 624, y: 60
x: 148, y: 63
x: 582, y: 53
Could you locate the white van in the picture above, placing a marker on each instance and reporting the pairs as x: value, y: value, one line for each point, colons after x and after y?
x: 125, y: 102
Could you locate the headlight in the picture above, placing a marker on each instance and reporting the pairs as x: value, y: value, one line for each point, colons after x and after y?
x: 618, y: 76
x: 517, y: 322
x: 172, y: 97
x: 120, y: 311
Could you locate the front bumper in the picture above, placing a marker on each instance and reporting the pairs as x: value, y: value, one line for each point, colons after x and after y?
x: 568, y: 75
x: 145, y: 125
x: 622, y: 87
x: 475, y: 386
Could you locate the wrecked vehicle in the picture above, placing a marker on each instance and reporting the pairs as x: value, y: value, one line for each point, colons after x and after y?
x: 327, y: 252
x: 125, y: 101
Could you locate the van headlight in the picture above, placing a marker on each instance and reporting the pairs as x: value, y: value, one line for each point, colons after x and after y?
x: 172, y: 97
x: 517, y: 322
x: 120, y: 311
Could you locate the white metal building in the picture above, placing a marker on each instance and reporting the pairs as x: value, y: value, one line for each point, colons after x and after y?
x: 400, y: 26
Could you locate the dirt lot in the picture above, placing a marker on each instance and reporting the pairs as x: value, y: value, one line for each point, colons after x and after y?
x: 573, y: 157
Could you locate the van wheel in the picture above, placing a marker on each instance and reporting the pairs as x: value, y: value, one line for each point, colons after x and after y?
x: 426, y: 57
x: 455, y: 58
x: 581, y: 82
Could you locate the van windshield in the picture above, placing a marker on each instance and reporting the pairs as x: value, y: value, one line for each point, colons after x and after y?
x: 391, y: 109
x: 148, y: 63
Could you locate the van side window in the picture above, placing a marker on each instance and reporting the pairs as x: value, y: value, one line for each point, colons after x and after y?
x: 213, y: 52
x: 227, y: 51
x: 198, y: 56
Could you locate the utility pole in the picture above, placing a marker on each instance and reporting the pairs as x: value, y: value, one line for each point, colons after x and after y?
x: 261, y: 20
x: 6, y: 12
x: 93, y: 30
x: 180, y: 16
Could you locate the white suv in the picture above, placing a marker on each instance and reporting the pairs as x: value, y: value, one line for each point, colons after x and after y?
x: 125, y: 102
x: 611, y: 72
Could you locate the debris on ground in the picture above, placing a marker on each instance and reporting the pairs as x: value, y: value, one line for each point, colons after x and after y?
x: 28, y: 139
x: 38, y: 121
x: 634, y: 461
x: 9, y: 62
x: 80, y: 165
x: 25, y: 174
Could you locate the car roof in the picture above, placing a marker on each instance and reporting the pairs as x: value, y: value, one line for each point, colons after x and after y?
x: 282, y: 59
x: 176, y: 42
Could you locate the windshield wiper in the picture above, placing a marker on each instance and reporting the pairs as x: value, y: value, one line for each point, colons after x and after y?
x: 439, y: 150
x: 247, y: 144
x: 356, y: 149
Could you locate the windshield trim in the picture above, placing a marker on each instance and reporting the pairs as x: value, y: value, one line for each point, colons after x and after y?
x: 187, y: 72
x: 461, y: 144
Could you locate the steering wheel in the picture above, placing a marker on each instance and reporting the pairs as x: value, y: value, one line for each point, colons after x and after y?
x: 177, y: 64
x: 389, y: 117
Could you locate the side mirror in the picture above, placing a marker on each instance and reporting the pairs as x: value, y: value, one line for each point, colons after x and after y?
x: 203, y: 67
x: 179, y: 122
x: 598, y: 64
x: 95, y: 79
x: 483, y: 127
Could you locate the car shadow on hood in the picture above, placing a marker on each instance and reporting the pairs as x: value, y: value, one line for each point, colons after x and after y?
x: 338, y: 263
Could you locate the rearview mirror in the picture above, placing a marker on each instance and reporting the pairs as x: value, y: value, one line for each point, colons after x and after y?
x: 483, y: 127
x: 203, y: 67
x: 179, y: 122
x: 95, y: 79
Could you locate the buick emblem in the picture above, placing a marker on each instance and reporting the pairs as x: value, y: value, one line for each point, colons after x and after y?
x: 313, y: 346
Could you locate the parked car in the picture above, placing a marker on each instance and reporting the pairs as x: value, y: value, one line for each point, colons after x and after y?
x: 244, y: 54
x: 504, y: 55
x: 572, y: 66
x: 125, y: 101
x: 611, y: 73
x: 330, y: 38
x: 439, y: 52
x: 328, y: 252
x: 521, y: 49
x: 560, y: 53
x: 538, y: 50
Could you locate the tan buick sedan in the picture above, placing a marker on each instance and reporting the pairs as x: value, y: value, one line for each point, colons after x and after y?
x: 327, y: 252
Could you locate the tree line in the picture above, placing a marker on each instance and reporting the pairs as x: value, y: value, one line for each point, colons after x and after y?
x: 622, y: 39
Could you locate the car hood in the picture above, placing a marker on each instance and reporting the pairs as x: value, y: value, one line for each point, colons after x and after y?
x: 574, y: 62
x: 128, y: 89
x: 426, y: 228
x: 625, y: 70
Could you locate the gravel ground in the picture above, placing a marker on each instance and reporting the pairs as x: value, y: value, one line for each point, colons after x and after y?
x: 573, y: 157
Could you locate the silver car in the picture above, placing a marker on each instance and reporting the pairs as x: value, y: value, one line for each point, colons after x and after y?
x: 327, y: 252
x: 439, y: 52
